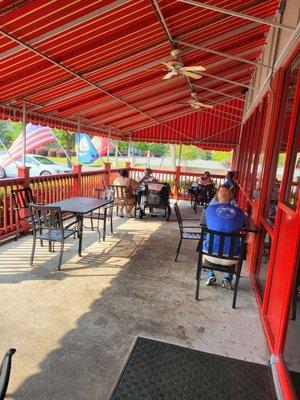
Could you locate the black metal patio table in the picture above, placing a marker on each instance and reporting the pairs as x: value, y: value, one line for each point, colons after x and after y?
x: 80, y: 206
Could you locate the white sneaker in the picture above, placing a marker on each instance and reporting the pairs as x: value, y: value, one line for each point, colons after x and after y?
x: 211, y: 280
x: 226, y: 283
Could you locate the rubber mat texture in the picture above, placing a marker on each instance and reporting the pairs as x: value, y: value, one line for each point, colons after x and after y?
x: 162, y: 371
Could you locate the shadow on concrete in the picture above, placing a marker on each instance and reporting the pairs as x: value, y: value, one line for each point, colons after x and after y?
x: 141, y: 291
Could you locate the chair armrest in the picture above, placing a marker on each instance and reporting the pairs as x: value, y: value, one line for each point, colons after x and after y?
x: 69, y: 225
x: 5, y: 372
x: 191, y: 226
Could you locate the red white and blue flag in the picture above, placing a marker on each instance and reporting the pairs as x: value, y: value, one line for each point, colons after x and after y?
x: 36, y: 136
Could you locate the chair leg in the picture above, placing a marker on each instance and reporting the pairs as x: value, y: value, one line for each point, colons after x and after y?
x: 178, y: 249
x: 104, y: 224
x: 32, y: 251
x: 60, y: 255
x: 294, y: 304
x: 111, y: 223
x: 237, y: 278
x: 17, y: 228
x: 199, y: 268
x: 41, y: 241
x: 92, y: 224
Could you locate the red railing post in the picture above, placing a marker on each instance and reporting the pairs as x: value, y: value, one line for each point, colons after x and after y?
x: 128, y: 165
x: 77, y: 180
x: 23, y: 172
x: 107, y: 167
x: 177, y: 182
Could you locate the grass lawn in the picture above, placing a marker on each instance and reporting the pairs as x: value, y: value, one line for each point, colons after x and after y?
x: 98, y: 163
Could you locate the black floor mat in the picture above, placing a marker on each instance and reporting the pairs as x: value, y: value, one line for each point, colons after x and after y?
x: 162, y: 371
x: 296, y: 381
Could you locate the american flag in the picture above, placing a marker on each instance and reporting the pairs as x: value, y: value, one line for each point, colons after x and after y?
x: 36, y: 136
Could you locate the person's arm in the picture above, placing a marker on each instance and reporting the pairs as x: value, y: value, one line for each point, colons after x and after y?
x: 134, y: 184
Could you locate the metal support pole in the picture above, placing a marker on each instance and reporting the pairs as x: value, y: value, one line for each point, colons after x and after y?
x: 179, y: 158
x: 108, y: 146
x: 239, y: 15
x: 116, y: 153
x: 24, y: 135
x: 129, y: 148
x: 78, y: 146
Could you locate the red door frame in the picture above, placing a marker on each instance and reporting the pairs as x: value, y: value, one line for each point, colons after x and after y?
x: 277, y: 343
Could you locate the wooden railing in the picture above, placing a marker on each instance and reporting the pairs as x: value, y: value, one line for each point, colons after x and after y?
x: 51, y: 188
x: 7, y: 214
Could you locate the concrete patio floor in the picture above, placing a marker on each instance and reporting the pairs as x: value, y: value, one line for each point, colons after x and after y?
x: 73, y: 329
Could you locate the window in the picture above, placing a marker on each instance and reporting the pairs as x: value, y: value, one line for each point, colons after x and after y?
x: 262, y: 143
x: 286, y: 110
x: 44, y: 160
x: 293, y: 184
x: 263, y: 261
x: 291, y: 352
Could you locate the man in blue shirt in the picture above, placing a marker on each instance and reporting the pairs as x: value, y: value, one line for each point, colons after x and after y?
x: 222, y: 217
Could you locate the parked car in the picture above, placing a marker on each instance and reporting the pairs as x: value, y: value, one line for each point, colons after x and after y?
x: 39, y: 165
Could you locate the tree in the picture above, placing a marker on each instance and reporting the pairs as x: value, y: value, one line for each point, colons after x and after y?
x: 221, y: 156
x: 188, y: 153
x: 67, y: 140
x: 9, y: 131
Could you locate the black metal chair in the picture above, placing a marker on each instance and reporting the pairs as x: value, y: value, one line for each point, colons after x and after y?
x: 5, y: 372
x: 232, y: 241
x: 204, y: 195
x: 21, y: 200
x: 103, y: 213
x: 47, y: 224
x: 184, y: 233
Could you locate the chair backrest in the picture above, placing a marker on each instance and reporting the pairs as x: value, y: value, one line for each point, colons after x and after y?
x: 106, y: 193
x: 222, y: 244
x: 5, y: 372
x: 178, y: 216
x: 22, y: 197
x: 120, y: 192
x: 46, y: 217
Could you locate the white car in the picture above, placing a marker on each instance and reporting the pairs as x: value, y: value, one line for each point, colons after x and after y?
x: 39, y: 165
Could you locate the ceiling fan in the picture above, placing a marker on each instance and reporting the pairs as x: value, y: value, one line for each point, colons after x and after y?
x: 176, y: 67
x: 195, y: 103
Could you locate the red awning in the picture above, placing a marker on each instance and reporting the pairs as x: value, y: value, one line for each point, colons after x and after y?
x: 100, y: 61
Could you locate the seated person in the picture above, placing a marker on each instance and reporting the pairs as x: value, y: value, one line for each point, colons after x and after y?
x: 222, y: 217
x: 131, y: 185
x: 215, y: 199
x: 229, y: 180
x: 205, y: 179
x: 148, y: 178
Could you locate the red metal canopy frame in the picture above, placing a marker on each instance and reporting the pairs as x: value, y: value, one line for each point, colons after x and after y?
x: 100, y: 61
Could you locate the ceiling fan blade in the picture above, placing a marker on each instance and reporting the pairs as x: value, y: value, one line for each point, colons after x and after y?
x: 205, y: 105
x: 170, y: 74
x: 191, y: 74
x: 194, y: 68
x: 170, y: 68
